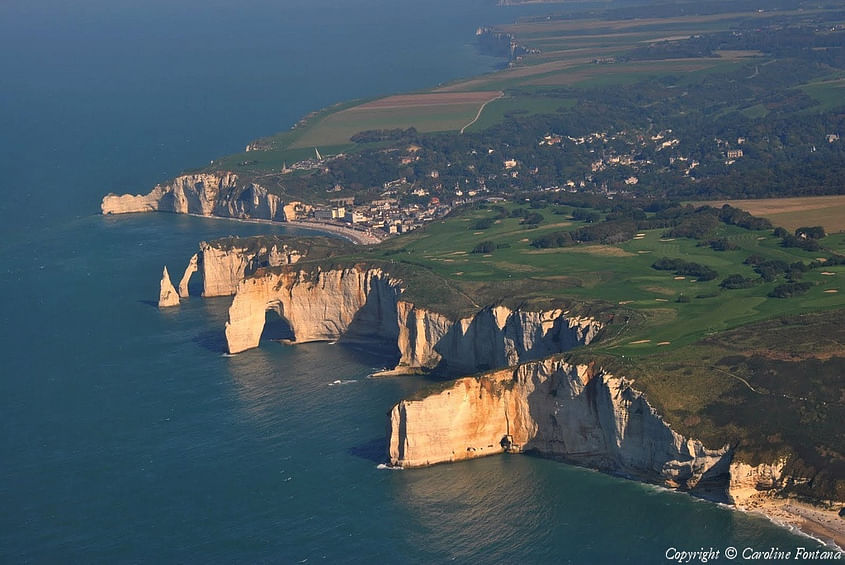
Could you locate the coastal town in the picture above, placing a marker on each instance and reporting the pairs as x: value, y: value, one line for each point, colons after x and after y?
x: 379, y: 218
x: 614, y: 163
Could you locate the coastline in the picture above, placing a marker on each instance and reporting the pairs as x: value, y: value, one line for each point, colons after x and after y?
x: 357, y: 237
x: 821, y: 525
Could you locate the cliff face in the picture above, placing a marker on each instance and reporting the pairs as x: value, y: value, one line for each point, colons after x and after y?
x: 570, y: 412
x: 192, y: 267
x: 325, y: 306
x: 224, y: 266
x: 358, y: 303
x: 493, y: 337
x: 747, y: 481
x: 224, y: 263
x: 559, y: 410
x: 204, y: 194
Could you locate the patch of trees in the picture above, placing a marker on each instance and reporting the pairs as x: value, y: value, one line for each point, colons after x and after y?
x: 737, y: 281
x: 587, y: 200
x: 815, y: 232
x: 588, y: 216
x: 698, y: 222
x: 695, y: 226
x: 484, y: 247
x: 626, y: 213
x: 720, y: 244
x: 790, y: 289
x: 770, y: 269
x: 685, y: 268
x: 528, y: 217
x: 608, y: 233
x: 489, y: 247
x: 532, y: 219
x: 483, y: 223
x: 800, y: 242
x: 740, y: 218
x: 805, y: 238
x: 501, y: 212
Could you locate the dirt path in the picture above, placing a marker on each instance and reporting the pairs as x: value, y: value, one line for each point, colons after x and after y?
x: 478, y: 115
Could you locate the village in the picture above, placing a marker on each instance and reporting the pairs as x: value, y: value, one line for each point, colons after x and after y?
x: 379, y: 218
x: 614, y: 163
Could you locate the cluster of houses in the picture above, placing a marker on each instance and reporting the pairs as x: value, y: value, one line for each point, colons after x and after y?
x: 385, y: 215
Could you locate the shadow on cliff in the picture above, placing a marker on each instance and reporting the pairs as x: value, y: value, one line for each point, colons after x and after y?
x: 276, y: 328
x: 484, y: 345
x: 374, y: 327
x: 596, y: 425
x: 374, y: 450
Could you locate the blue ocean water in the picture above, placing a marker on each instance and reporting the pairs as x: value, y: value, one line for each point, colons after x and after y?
x: 125, y: 434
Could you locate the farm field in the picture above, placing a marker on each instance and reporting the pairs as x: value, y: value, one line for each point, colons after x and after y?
x: 569, y: 49
x: 426, y: 112
x: 792, y: 213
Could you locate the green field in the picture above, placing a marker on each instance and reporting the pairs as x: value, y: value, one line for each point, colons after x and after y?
x: 829, y: 93
x: 518, y: 104
x: 425, y: 112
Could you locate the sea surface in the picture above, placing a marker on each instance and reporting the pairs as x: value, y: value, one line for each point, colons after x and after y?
x: 126, y: 435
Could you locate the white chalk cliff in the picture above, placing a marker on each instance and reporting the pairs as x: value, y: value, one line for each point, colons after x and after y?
x: 571, y: 412
x: 204, y: 194
x: 186, y: 276
x: 167, y: 295
x: 224, y: 263
x: 538, y: 403
x: 358, y: 303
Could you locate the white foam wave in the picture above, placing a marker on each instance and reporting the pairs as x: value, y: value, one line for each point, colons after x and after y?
x: 340, y: 382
